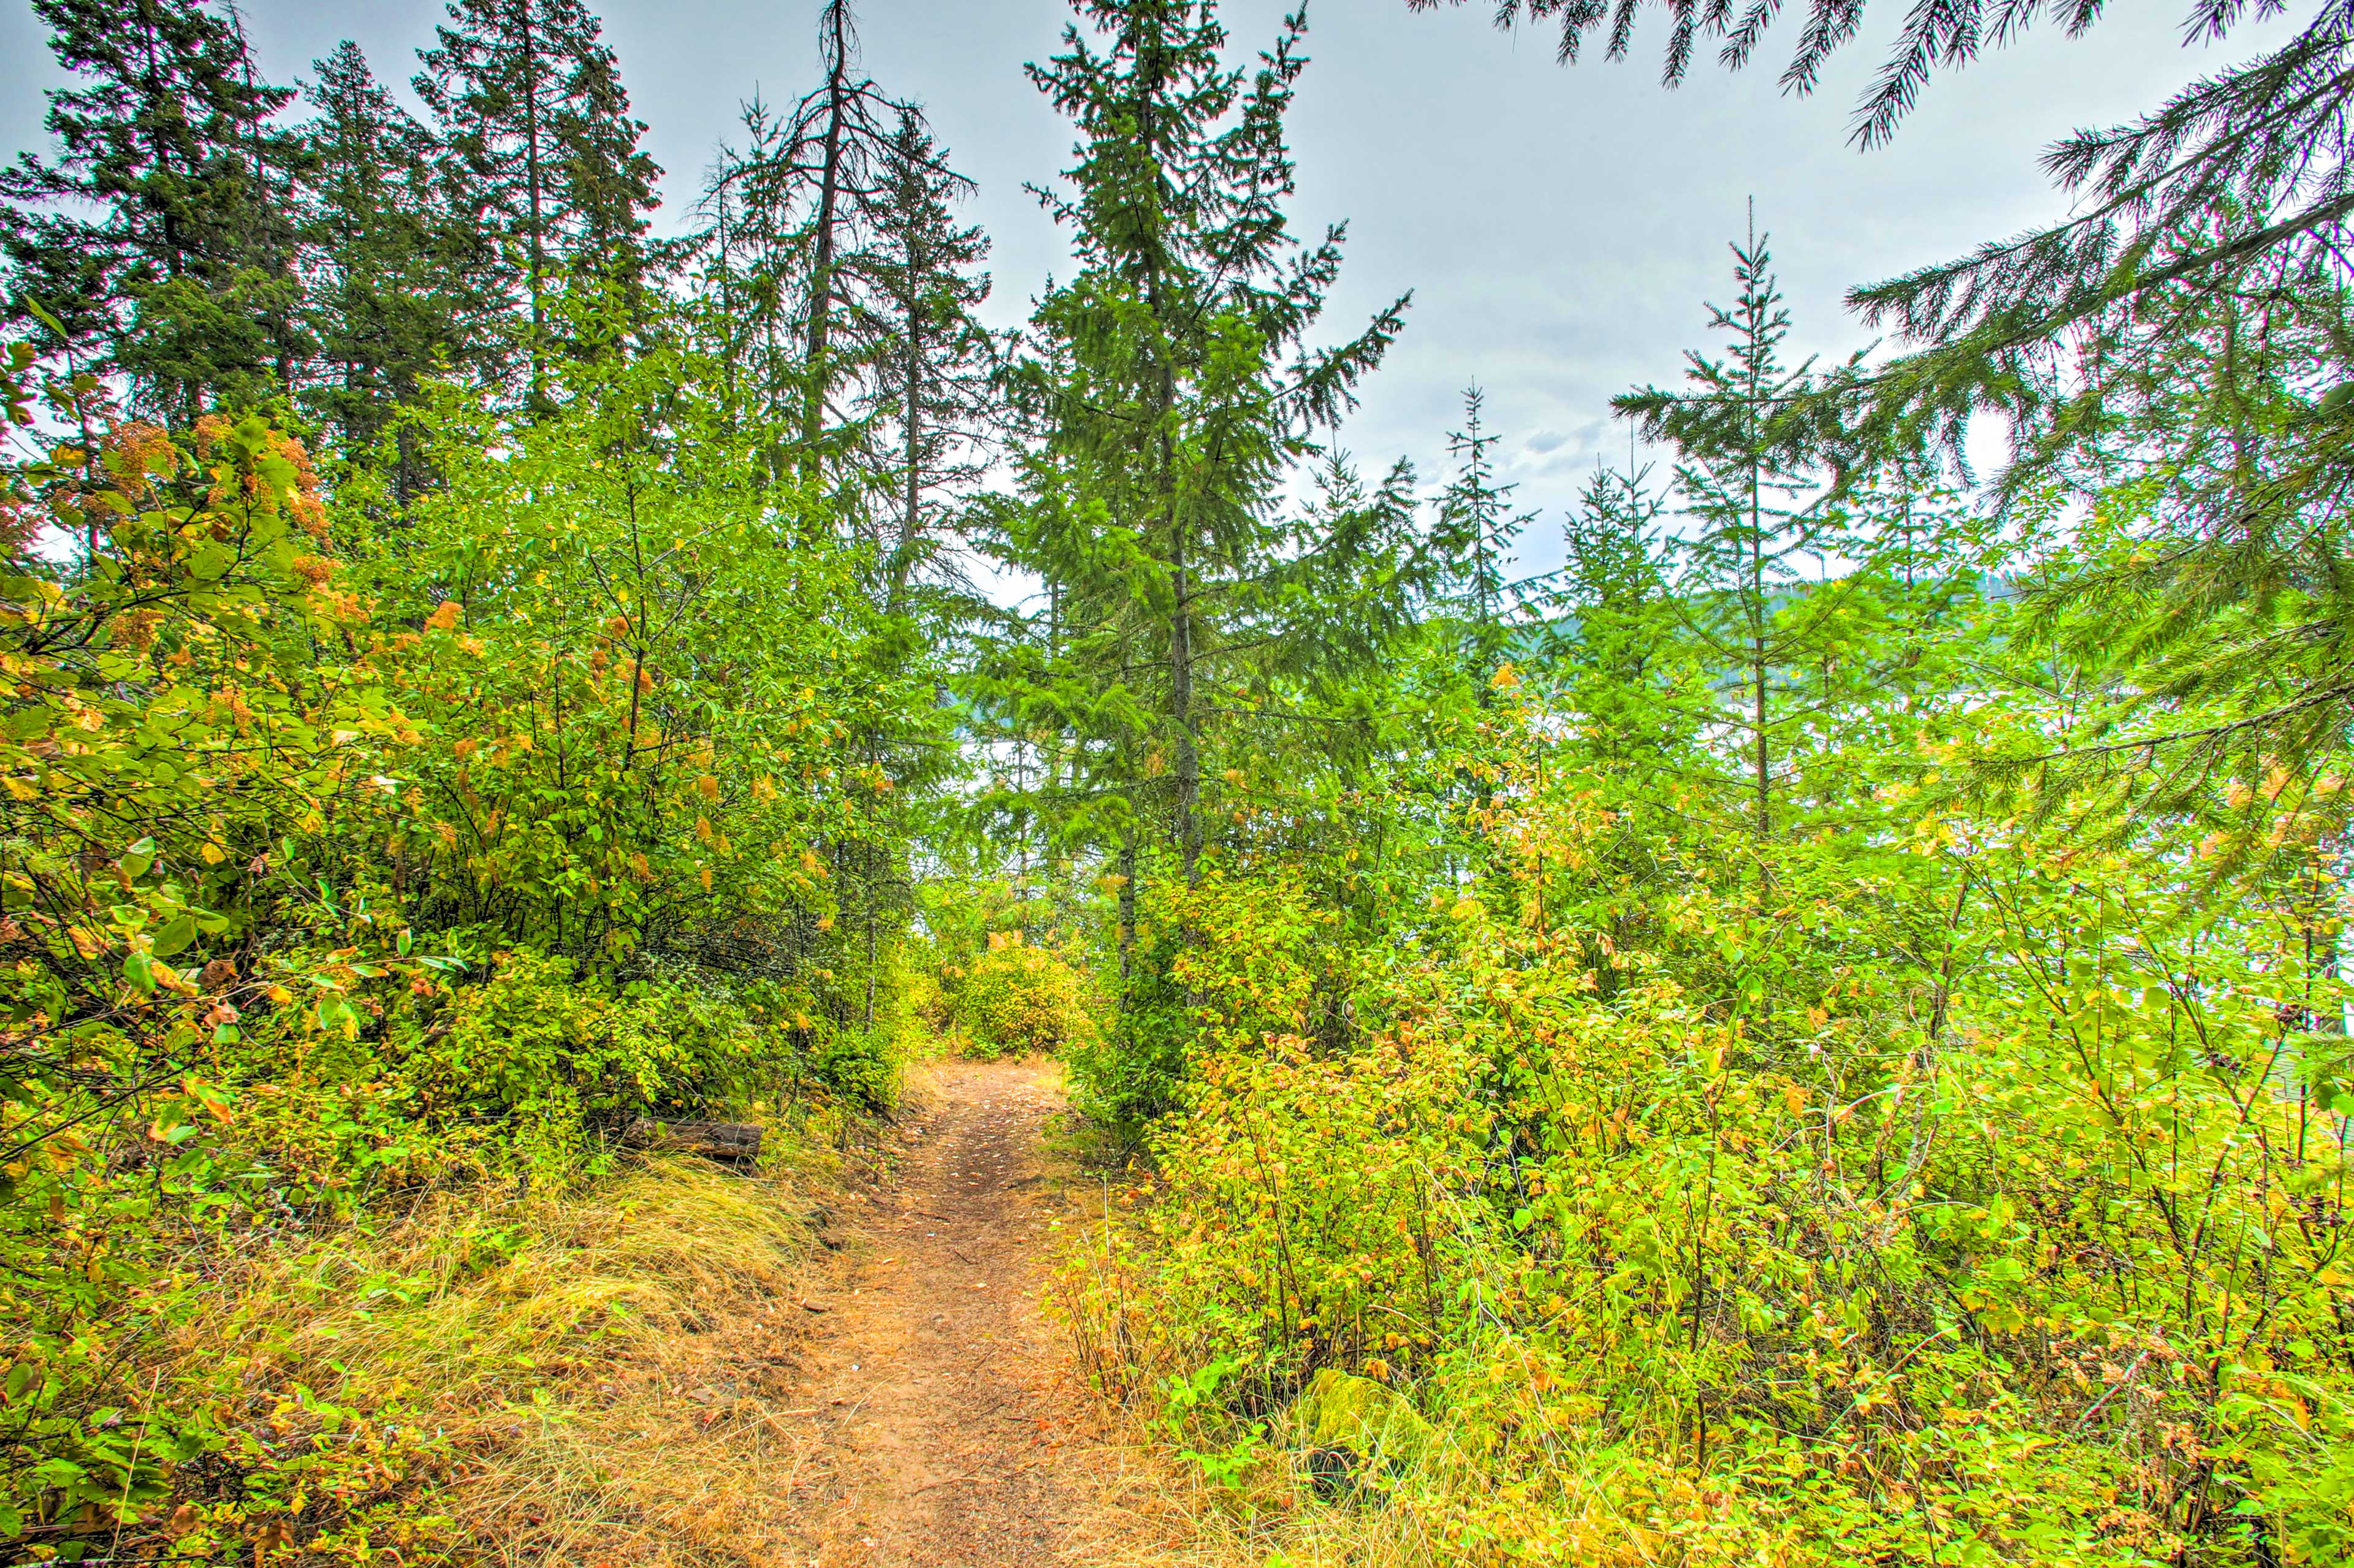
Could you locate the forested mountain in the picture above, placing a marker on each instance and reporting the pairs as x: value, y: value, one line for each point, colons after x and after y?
x: 1816, y: 1032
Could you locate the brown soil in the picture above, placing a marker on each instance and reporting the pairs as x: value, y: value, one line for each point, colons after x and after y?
x: 946, y: 1427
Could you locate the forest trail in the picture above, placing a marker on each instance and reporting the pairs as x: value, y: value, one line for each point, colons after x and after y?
x: 950, y: 1431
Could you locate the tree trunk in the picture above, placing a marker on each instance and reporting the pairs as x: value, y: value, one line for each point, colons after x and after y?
x: 1181, y: 712
x: 816, y: 372
x: 1126, y: 902
x: 874, y: 859
x: 911, y: 503
x: 537, y: 262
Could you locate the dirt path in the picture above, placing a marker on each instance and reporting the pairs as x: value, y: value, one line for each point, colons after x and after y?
x: 952, y: 1430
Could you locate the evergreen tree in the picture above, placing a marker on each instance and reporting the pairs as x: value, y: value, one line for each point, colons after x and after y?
x: 1826, y: 636
x: 1755, y: 516
x: 1178, y: 387
x: 2229, y: 200
x: 839, y: 137
x: 159, y: 237
x: 1611, y: 655
x: 387, y: 298
x: 1945, y: 36
x: 2191, y: 558
x: 809, y: 236
x: 932, y: 378
x: 752, y: 268
x: 1474, y: 531
x: 546, y: 162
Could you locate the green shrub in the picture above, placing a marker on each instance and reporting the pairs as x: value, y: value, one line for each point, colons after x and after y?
x: 858, y: 1065
x: 1126, y: 1077
x: 1016, y: 998
x: 552, y: 1058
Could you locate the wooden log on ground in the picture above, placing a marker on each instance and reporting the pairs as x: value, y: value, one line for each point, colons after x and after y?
x: 730, y: 1140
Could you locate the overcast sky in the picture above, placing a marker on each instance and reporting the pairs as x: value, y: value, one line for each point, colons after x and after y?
x: 1561, y: 228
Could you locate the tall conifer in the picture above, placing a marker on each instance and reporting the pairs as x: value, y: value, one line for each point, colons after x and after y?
x: 931, y: 377
x: 751, y: 265
x: 1179, y: 387
x: 545, y: 157
x: 837, y: 142
x: 1474, y: 533
x: 159, y: 237
x: 1753, y: 510
x: 387, y: 298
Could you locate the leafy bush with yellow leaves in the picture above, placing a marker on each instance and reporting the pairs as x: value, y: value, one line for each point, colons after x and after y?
x: 1016, y: 998
x: 341, y: 871
x: 1693, y: 1244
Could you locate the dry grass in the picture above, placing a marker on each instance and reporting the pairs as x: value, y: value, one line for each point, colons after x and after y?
x: 1164, y: 1516
x: 605, y: 1371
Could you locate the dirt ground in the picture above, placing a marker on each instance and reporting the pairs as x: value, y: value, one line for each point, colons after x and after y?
x: 944, y: 1425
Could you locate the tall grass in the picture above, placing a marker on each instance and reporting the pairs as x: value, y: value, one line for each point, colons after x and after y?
x: 591, y: 1375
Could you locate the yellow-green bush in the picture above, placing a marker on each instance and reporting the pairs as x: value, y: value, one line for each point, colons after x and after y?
x: 1016, y: 998
x: 339, y: 873
x: 2007, y: 1258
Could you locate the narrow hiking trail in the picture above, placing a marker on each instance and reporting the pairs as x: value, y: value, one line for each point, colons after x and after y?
x: 949, y: 1429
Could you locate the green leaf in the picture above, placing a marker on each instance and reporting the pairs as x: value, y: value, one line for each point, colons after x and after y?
x: 212, y: 563
x: 175, y: 936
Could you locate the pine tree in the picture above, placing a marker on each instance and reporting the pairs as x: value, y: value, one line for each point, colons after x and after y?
x: 753, y: 270
x: 1611, y: 655
x: 1824, y: 628
x: 1945, y: 36
x: 1475, y: 530
x: 808, y: 234
x: 1179, y: 387
x: 838, y: 127
x: 545, y: 161
x: 160, y: 236
x: 932, y: 378
x: 1754, y: 512
x: 838, y: 148
x: 2232, y: 198
x: 388, y: 299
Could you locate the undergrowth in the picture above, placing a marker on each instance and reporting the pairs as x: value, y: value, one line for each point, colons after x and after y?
x: 584, y: 1373
x: 358, y: 899
x: 2031, y: 1251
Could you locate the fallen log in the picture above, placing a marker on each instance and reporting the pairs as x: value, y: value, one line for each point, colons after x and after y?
x: 732, y: 1140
